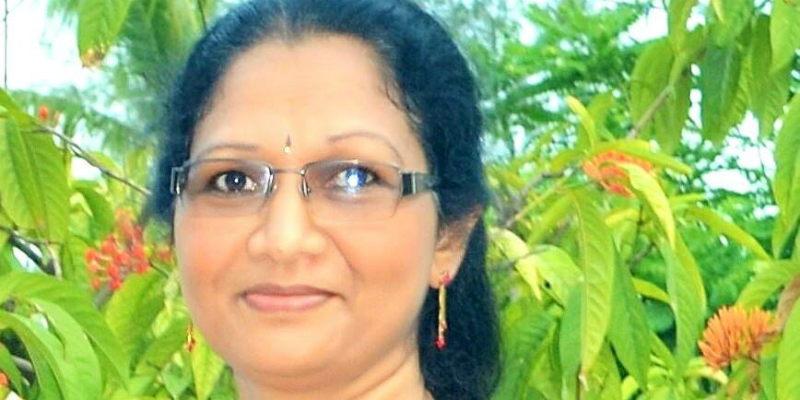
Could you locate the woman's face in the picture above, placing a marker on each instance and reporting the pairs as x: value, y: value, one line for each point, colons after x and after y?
x: 364, y: 282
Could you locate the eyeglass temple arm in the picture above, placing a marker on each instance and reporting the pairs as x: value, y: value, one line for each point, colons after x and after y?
x: 175, y: 180
x: 416, y: 182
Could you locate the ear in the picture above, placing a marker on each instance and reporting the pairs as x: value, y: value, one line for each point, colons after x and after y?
x: 451, y: 247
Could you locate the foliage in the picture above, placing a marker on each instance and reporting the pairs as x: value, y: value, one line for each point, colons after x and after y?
x: 609, y: 248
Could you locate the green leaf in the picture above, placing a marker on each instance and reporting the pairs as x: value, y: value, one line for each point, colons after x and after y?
x: 10, y: 369
x: 649, y: 78
x: 160, y: 350
x: 630, y: 334
x: 83, y: 362
x: 34, y: 182
x: 641, y: 149
x: 25, y: 285
x: 690, y: 265
x: 650, y: 290
x: 556, y: 267
x: 511, y: 245
x: 548, y: 220
x: 570, y: 336
x: 711, y: 219
x: 770, y: 276
x: 787, y: 160
x: 596, y: 251
x: 652, y: 74
x: 4, y: 222
x: 785, y: 32
x: 588, y: 130
x: 648, y: 188
x: 564, y: 158
x: 766, y: 373
x: 687, y: 54
x: 598, y: 110
x: 102, y: 215
x: 788, y: 369
x: 524, y: 332
x: 73, y: 263
x: 719, y: 81
x: 46, y: 353
x: 734, y: 16
x: 206, y: 368
x: 528, y: 269
x: 132, y: 309
x: 14, y: 111
x: 671, y: 117
x: 99, y: 23
x: 768, y: 90
x: 686, y: 304
x: 678, y: 14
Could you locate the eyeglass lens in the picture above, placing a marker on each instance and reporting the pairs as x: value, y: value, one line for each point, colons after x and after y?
x: 337, y: 189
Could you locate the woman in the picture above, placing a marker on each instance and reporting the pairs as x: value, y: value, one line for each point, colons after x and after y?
x: 323, y: 179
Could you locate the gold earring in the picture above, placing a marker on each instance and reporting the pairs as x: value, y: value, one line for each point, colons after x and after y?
x: 190, y: 340
x: 287, y: 147
x: 442, y: 328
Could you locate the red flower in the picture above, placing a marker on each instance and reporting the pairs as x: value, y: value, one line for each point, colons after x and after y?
x: 90, y: 256
x: 142, y: 266
x: 137, y: 251
x: 109, y: 246
x: 44, y: 113
x: 114, y: 284
x: 604, y: 169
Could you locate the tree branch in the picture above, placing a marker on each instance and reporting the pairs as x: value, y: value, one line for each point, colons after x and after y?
x: 517, y: 210
x: 81, y: 153
x: 22, y: 246
x: 650, y: 112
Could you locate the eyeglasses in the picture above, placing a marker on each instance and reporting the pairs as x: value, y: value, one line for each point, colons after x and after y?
x: 350, y: 190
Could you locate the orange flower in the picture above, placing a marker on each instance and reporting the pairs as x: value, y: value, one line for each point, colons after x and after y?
x: 732, y: 334
x: 604, y: 169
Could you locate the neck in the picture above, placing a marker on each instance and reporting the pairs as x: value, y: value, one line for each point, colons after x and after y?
x: 396, y: 376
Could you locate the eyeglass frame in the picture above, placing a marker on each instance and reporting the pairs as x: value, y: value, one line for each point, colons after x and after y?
x: 411, y: 182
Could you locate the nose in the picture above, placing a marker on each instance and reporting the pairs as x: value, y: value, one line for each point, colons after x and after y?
x: 286, y: 233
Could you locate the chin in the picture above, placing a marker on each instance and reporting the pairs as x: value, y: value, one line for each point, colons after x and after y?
x: 293, y: 355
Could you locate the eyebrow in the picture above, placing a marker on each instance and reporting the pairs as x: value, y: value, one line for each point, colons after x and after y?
x: 331, y: 139
x: 367, y: 134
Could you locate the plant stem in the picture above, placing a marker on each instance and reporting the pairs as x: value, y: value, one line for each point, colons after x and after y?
x: 650, y: 112
x: 82, y: 153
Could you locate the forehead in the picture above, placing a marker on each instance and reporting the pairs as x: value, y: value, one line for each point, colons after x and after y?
x: 318, y: 87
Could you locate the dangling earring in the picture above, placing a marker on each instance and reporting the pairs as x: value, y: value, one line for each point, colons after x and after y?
x: 190, y: 341
x: 442, y: 328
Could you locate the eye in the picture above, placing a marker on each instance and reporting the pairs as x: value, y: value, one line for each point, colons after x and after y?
x: 354, y: 178
x: 232, y: 182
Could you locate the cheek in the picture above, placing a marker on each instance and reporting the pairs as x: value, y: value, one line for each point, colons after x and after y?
x: 391, y: 270
x: 206, y: 258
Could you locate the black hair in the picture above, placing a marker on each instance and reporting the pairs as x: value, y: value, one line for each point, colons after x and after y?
x: 436, y: 90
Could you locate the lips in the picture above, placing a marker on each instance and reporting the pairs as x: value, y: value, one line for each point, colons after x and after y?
x: 270, y: 298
